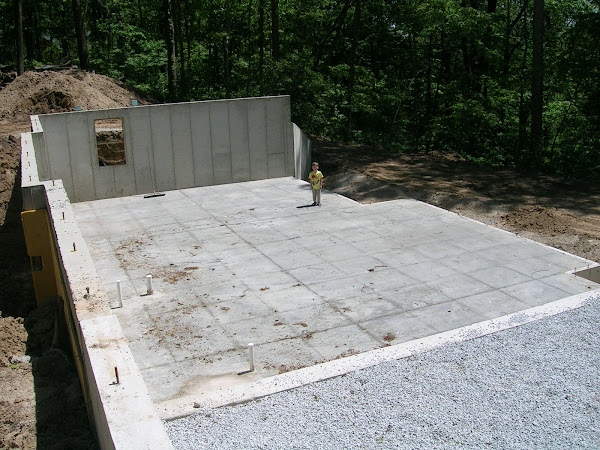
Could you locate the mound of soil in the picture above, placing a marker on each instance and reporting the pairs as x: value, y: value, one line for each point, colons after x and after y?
x: 111, y: 147
x: 52, y: 91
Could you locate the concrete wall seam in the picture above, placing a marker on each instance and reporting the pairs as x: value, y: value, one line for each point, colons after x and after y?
x: 164, y: 150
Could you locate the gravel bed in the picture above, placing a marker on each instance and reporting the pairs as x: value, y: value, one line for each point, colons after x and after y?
x: 533, y: 386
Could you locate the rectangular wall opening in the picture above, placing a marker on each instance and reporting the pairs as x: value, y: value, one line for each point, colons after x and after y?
x: 36, y: 264
x: 110, y: 141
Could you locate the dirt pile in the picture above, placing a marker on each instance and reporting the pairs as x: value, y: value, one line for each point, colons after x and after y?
x: 6, y: 78
x: 538, y: 218
x: 10, y: 154
x: 50, y: 92
x: 14, y: 340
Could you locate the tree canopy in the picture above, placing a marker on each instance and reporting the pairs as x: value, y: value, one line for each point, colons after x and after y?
x: 509, y: 82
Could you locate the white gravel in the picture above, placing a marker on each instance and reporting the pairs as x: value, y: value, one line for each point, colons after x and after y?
x: 533, y: 386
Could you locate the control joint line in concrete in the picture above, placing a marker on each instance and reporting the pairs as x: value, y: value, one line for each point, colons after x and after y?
x: 305, y: 285
x: 170, y: 410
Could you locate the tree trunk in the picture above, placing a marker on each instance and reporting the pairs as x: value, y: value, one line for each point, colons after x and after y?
x: 473, y: 60
x: 250, y: 49
x: 537, y: 81
x: 275, y: 28
x: 227, y: 48
x: 428, y: 94
x: 170, y: 41
x: 30, y: 32
x: 523, y: 110
x: 509, y: 48
x: 337, y: 24
x: 261, y: 44
x: 178, y: 24
x: 82, y: 46
x: 355, y: 31
x: 140, y: 12
x: 19, y: 19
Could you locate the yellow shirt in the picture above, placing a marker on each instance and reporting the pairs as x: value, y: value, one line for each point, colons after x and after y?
x: 315, y: 179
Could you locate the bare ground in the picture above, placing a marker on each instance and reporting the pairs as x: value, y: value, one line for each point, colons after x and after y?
x: 560, y: 213
x: 40, y: 398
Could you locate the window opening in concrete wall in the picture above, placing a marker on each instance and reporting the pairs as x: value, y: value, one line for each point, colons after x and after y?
x: 110, y: 141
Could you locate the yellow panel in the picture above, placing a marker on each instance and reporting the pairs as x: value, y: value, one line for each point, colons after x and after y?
x: 40, y: 248
x: 47, y: 279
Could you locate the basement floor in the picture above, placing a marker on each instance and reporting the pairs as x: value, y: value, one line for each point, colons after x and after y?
x: 254, y: 263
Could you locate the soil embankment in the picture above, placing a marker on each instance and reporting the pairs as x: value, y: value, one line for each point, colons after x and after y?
x: 41, y: 402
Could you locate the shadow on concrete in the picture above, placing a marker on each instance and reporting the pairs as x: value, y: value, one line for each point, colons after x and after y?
x: 61, y: 417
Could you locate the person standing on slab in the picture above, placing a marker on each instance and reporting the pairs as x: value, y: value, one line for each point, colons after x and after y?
x: 315, y: 179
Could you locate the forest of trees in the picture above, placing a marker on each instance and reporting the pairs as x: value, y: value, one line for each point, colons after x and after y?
x: 509, y: 82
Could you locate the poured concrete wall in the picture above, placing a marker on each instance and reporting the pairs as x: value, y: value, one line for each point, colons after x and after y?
x: 172, y: 146
x: 182, y: 145
x: 302, y: 153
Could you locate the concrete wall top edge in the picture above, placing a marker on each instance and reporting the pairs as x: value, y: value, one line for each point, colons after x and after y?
x: 124, y: 108
x: 79, y: 269
x: 29, y: 171
x: 104, y: 344
x: 167, y: 146
x: 36, y: 125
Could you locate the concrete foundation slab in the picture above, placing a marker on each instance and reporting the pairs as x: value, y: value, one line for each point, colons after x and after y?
x: 251, y: 263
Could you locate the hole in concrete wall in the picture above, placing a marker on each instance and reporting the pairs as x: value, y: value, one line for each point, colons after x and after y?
x: 591, y: 273
x: 36, y: 264
x: 110, y: 141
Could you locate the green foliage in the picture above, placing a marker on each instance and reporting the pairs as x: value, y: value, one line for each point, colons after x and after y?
x: 7, y: 33
x: 414, y: 75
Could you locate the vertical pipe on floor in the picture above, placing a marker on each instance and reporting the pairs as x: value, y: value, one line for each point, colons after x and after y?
x: 251, y: 356
x: 120, y: 293
x: 149, y: 289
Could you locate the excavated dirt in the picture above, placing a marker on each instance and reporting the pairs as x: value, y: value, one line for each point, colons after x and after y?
x: 41, y: 403
x: 50, y: 92
x: 40, y: 398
